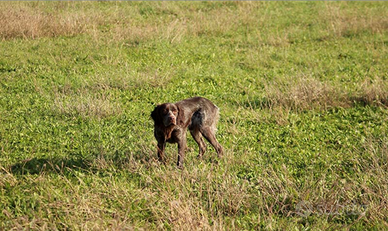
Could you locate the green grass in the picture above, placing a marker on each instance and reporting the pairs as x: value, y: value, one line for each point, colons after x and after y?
x: 303, y: 93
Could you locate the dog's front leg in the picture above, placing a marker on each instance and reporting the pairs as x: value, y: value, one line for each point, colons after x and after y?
x: 161, y: 146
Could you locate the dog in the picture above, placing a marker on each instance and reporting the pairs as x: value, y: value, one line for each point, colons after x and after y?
x: 171, y: 121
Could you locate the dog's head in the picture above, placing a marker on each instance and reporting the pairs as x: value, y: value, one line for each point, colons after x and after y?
x: 165, y: 114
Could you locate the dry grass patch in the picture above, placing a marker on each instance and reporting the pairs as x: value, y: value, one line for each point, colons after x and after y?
x: 196, y: 199
x: 130, y: 79
x: 181, y: 23
x: 132, y: 23
x: 129, y: 31
x: 24, y: 21
x: 138, y: 22
x: 302, y: 93
x: 344, y: 22
x: 372, y: 92
x: 86, y: 105
x: 85, y: 203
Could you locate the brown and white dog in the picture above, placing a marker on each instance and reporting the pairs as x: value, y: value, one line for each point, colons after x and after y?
x: 171, y: 121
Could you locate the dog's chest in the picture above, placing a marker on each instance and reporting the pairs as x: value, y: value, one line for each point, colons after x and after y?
x: 174, y: 136
x: 170, y: 135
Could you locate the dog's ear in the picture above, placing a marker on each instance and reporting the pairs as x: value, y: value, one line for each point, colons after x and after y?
x: 155, y: 115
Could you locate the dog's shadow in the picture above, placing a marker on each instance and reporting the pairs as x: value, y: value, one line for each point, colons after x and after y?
x: 90, y: 164
x: 99, y: 163
x: 49, y: 165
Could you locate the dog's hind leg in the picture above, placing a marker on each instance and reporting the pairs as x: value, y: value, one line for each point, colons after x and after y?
x: 198, y: 138
x: 209, y: 134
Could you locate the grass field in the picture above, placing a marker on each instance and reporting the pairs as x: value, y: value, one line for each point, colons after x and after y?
x: 303, y: 93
